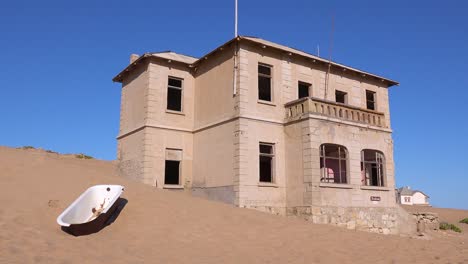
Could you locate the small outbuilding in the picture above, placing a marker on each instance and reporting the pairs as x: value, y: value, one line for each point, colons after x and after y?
x: 411, y: 197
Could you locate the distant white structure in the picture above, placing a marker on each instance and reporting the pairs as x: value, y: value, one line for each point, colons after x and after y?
x: 411, y: 197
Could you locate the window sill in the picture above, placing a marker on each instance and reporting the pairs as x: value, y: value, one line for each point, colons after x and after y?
x: 267, y: 184
x: 375, y: 188
x: 335, y: 185
x: 171, y: 186
x: 266, y: 102
x: 175, y: 112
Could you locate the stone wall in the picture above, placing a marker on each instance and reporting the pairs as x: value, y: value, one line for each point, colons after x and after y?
x: 383, y: 220
x: 426, y: 221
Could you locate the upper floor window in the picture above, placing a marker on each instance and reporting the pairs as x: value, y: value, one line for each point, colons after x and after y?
x: 174, y: 94
x: 266, y: 162
x: 264, y: 83
x: 303, y: 89
x: 333, y: 163
x: 341, y: 97
x: 372, y: 167
x: 370, y: 99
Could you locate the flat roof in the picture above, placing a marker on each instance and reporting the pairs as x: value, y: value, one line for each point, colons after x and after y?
x: 192, y: 61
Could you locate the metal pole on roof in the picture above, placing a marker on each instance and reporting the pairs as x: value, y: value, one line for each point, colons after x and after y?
x: 236, y: 47
x: 235, y: 20
x: 327, y: 78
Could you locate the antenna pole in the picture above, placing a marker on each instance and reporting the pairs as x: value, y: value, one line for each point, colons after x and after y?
x: 235, y: 20
x: 327, y: 79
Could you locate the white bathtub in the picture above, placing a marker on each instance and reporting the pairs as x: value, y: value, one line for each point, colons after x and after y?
x: 95, y: 201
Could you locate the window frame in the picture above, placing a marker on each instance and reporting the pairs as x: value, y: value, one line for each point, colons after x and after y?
x: 324, y: 174
x: 345, y: 97
x: 380, y: 166
x: 309, y: 90
x: 373, y: 101
x: 271, y: 82
x: 181, y: 88
x: 271, y: 155
x: 180, y: 160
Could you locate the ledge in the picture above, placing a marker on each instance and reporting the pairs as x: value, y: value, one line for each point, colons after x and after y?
x: 174, y: 112
x: 335, y: 185
x: 267, y: 184
x: 169, y: 186
x: 375, y: 188
x: 266, y: 102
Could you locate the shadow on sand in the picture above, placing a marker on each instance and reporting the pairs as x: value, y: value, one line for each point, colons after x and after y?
x: 100, y: 222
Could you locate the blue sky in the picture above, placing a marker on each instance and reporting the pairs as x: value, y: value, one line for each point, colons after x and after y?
x: 58, y: 59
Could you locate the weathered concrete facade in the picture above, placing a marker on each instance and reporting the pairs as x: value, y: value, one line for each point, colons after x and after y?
x: 222, y: 122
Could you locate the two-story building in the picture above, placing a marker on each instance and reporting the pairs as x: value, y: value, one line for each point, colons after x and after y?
x: 264, y: 126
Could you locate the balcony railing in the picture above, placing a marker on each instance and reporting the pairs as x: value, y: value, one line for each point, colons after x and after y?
x: 297, y: 108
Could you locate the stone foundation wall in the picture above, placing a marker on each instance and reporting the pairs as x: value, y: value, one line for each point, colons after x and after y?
x: 426, y: 221
x: 388, y: 220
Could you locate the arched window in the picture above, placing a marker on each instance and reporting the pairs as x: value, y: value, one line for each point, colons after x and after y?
x: 333, y: 163
x: 372, y: 168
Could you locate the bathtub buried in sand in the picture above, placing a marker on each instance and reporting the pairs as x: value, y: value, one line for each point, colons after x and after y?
x: 89, y: 212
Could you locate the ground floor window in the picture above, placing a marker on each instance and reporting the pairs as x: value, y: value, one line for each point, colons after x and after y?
x: 407, y: 199
x: 372, y: 168
x: 333, y: 163
x: 172, y: 167
x: 266, y: 162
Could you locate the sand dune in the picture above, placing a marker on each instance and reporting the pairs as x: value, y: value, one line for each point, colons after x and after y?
x: 172, y: 227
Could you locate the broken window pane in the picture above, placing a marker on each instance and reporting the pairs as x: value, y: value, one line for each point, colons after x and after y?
x: 303, y: 90
x: 264, y: 83
x: 171, y: 174
x: 333, y: 163
x: 266, y: 162
x: 370, y: 99
x: 174, y: 99
x: 175, y: 82
x: 372, y: 168
x: 263, y: 69
x: 174, y: 94
x: 341, y: 97
x: 265, y: 169
x: 266, y: 149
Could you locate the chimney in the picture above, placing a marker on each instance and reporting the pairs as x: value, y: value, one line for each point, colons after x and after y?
x: 134, y: 57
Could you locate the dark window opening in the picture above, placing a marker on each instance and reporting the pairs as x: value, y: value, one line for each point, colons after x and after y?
x: 266, y: 162
x: 171, y: 174
x: 370, y: 99
x: 174, y: 94
x: 372, y: 168
x: 333, y: 163
x: 341, y: 97
x: 303, y: 90
x: 264, y: 83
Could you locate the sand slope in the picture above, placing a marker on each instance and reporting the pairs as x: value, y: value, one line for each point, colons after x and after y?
x: 172, y: 227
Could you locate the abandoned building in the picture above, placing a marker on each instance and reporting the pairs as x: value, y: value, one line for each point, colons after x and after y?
x: 405, y: 195
x: 261, y: 125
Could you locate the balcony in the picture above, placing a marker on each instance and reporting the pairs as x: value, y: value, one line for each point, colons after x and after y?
x: 298, y: 108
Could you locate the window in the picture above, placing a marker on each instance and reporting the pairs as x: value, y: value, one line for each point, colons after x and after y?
x: 174, y: 94
x: 341, y: 97
x: 172, y: 168
x: 266, y: 162
x: 407, y: 199
x: 264, y: 82
x: 333, y: 163
x: 303, y: 90
x: 370, y: 99
x: 372, y: 168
